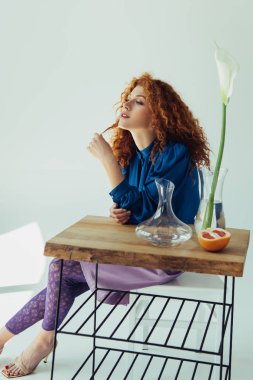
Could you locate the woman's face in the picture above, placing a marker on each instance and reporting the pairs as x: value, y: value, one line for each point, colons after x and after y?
x: 138, y: 115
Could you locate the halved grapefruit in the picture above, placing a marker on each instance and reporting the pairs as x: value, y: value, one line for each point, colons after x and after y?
x: 214, y: 239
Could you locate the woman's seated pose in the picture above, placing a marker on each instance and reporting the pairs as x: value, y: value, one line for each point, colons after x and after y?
x: 155, y: 135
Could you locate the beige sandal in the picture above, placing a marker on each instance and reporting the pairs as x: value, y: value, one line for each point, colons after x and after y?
x: 21, y: 367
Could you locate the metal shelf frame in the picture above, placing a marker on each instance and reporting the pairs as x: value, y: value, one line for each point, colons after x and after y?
x: 226, y: 309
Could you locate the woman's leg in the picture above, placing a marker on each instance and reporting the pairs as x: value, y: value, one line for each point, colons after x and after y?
x: 29, y: 314
x: 44, y: 305
x: 73, y: 284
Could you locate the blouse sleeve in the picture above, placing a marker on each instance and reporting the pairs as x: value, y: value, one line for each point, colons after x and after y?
x: 171, y: 164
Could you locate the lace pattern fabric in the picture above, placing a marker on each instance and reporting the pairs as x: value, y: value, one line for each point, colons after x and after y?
x: 44, y: 304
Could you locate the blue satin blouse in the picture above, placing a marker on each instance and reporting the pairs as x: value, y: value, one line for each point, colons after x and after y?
x: 138, y: 191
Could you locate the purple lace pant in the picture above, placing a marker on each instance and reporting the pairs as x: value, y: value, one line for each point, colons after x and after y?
x: 44, y: 304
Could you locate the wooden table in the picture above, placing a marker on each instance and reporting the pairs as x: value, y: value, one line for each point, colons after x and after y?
x: 99, y: 239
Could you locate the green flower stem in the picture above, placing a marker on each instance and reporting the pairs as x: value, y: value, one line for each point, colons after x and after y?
x: 207, y: 221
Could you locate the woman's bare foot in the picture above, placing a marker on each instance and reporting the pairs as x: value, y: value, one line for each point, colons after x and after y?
x: 34, y: 353
x: 5, y: 335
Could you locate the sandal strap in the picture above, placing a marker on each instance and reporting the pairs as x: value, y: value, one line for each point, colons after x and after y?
x: 19, y: 363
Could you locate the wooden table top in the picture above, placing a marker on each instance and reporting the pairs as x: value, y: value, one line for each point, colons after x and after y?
x: 100, y: 239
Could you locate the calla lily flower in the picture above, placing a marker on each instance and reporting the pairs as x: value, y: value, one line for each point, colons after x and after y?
x: 227, y: 70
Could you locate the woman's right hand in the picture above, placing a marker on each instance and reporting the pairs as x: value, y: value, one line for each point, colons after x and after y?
x: 120, y: 215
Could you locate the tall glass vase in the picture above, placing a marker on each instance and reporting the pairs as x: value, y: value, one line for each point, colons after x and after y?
x: 205, y: 181
x: 164, y: 228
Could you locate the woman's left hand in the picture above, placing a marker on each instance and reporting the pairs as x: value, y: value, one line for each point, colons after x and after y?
x: 100, y: 148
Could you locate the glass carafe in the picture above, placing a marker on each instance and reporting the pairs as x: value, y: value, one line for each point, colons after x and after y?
x: 164, y: 228
x: 205, y: 182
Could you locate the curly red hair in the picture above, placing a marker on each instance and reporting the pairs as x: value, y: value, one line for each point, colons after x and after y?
x: 172, y: 120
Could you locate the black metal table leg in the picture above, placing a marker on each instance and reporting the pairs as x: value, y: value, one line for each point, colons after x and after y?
x: 223, y: 325
x: 94, y: 332
x: 230, y: 314
x: 57, y: 317
x: 231, y: 327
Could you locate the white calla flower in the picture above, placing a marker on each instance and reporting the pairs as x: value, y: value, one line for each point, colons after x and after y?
x: 227, y: 70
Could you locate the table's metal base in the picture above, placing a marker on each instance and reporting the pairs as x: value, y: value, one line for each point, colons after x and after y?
x: 211, y: 367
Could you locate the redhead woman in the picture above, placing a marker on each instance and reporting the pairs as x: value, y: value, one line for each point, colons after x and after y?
x: 155, y: 135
